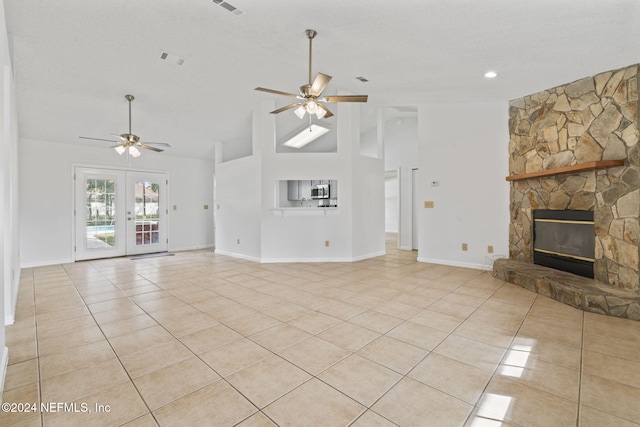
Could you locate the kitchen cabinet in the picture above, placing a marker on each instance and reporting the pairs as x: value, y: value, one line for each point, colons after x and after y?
x: 298, y: 190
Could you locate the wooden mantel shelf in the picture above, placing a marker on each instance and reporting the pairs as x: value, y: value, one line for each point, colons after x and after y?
x: 587, y: 166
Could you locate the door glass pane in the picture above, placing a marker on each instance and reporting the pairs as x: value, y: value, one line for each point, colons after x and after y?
x: 100, y: 220
x: 146, y: 210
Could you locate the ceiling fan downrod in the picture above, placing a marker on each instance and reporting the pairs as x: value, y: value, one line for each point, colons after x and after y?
x: 310, y: 34
x: 129, y: 98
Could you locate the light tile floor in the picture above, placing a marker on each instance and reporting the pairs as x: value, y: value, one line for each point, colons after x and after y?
x: 204, y: 339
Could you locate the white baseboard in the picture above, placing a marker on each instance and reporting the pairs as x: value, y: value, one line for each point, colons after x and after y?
x: 46, y: 263
x: 291, y: 260
x: 372, y: 255
x: 70, y: 260
x: 192, y: 248
x: 454, y: 263
x: 10, y: 318
x: 3, y: 368
x: 236, y: 255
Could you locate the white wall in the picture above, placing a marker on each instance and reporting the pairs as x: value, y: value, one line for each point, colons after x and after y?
x: 401, y: 154
x: 391, y: 201
x: 238, y: 208
x: 464, y: 147
x: 9, y: 254
x: 295, y: 237
x: 368, y: 208
x: 11, y: 238
x: 46, y: 196
x: 300, y: 235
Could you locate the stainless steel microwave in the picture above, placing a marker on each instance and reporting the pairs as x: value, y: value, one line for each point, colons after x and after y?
x: 320, y: 191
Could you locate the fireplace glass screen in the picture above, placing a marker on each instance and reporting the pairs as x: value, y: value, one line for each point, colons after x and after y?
x: 564, y: 240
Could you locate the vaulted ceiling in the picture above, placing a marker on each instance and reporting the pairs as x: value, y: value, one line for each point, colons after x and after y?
x: 74, y: 60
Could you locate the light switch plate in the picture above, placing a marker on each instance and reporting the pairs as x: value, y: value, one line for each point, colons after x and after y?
x: 428, y: 204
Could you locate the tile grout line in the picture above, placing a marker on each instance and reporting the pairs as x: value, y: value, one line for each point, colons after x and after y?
x: 312, y: 376
x: 190, y: 350
x: 343, y: 321
x: 493, y: 372
x: 35, y: 327
x: 406, y: 375
x: 578, y: 412
x: 193, y: 281
x: 110, y: 346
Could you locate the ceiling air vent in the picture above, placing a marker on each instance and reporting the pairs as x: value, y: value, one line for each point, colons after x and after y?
x: 169, y: 57
x: 362, y: 79
x: 228, y: 6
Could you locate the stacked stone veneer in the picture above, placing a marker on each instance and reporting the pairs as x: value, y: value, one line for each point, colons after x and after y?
x: 595, y: 118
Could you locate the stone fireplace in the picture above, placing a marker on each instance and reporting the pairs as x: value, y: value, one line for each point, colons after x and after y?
x: 575, y: 147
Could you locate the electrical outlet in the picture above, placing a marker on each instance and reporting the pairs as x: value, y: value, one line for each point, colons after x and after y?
x: 238, y: 241
x: 490, y: 249
x: 464, y: 247
x: 326, y: 243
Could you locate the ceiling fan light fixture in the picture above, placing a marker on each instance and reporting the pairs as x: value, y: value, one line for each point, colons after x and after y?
x: 134, y: 151
x: 300, y: 111
x: 131, y: 142
x: 312, y: 107
x: 310, y: 93
x: 309, y: 134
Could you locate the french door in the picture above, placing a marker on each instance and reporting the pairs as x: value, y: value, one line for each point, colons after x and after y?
x: 119, y: 213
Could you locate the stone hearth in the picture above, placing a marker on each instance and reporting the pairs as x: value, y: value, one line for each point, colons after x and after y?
x: 590, y: 120
x: 577, y: 291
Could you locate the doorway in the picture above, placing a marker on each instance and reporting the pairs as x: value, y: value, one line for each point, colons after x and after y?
x: 415, y: 209
x: 119, y: 213
x: 392, y: 204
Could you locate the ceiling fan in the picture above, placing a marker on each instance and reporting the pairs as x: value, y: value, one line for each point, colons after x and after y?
x: 310, y: 95
x: 130, y: 142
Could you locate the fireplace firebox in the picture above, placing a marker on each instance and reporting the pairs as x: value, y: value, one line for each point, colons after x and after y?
x: 564, y: 240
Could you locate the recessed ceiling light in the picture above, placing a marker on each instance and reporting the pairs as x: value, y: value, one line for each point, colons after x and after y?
x: 490, y: 74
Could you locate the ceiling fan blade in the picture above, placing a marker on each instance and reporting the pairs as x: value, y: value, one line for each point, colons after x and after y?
x: 346, y: 98
x: 278, y: 92
x: 285, y: 108
x: 328, y: 112
x: 148, y: 147
x: 118, y: 136
x: 97, y: 139
x: 157, y: 144
x: 321, y: 81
